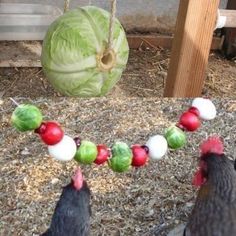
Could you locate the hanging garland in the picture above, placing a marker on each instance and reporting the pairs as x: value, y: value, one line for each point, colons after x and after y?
x: 120, y: 157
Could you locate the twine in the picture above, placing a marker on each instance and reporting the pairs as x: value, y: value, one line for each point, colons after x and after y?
x: 66, y: 5
x: 112, y: 23
x: 112, y: 19
x: 15, y: 102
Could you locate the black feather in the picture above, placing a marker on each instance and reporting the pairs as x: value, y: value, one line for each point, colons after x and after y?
x: 214, y: 212
x: 72, y: 213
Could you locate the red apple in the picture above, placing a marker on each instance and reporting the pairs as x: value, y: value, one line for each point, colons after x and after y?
x: 140, y: 156
x: 103, y: 154
x: 189, y: 121
x: 50, y: 132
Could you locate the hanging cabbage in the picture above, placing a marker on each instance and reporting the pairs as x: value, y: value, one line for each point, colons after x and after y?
x: 75, y: 58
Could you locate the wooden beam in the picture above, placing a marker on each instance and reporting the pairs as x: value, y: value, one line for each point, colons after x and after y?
x: 230, y: 16
x: 229, y: 46
x: 190, y: 52
x: 27, y: 54
x: 155, y: 41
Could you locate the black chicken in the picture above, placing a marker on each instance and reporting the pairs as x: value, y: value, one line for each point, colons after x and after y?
x: 72, y: 213
x: 214, y: 213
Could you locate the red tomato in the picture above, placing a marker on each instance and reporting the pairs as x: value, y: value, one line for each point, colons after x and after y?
x: 140, y: 156
x: 103, y: 154
x: 194, y: 110
x: 50, y: 132
x: 189, y: 121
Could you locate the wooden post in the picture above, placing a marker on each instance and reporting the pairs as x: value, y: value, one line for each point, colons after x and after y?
x: 230, y: 16
x: 190, y: 52
x: 229, y: 46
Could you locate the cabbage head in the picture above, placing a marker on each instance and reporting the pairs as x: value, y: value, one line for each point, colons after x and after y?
x: 75, y: 58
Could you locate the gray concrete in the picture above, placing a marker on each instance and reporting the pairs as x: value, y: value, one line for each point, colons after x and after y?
x: 144, y: 15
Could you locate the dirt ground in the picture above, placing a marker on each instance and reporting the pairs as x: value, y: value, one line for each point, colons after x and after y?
x: 144, y: 77
x: 146, y: 201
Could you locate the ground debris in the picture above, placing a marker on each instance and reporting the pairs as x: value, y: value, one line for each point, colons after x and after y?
x: 143, y: 201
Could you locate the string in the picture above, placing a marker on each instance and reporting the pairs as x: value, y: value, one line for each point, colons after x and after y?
x: 112, y: 23
x: 15, y: 102
x: 112, y: 19
x: 66, y: 5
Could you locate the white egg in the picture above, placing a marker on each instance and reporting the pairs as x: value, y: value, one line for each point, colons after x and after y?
x: 206, y: 108
x: 157, y: 147
x: 64, y: 150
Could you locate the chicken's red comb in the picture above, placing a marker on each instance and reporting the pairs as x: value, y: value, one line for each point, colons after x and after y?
x: 78, y: 179
x: 212, y: 145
